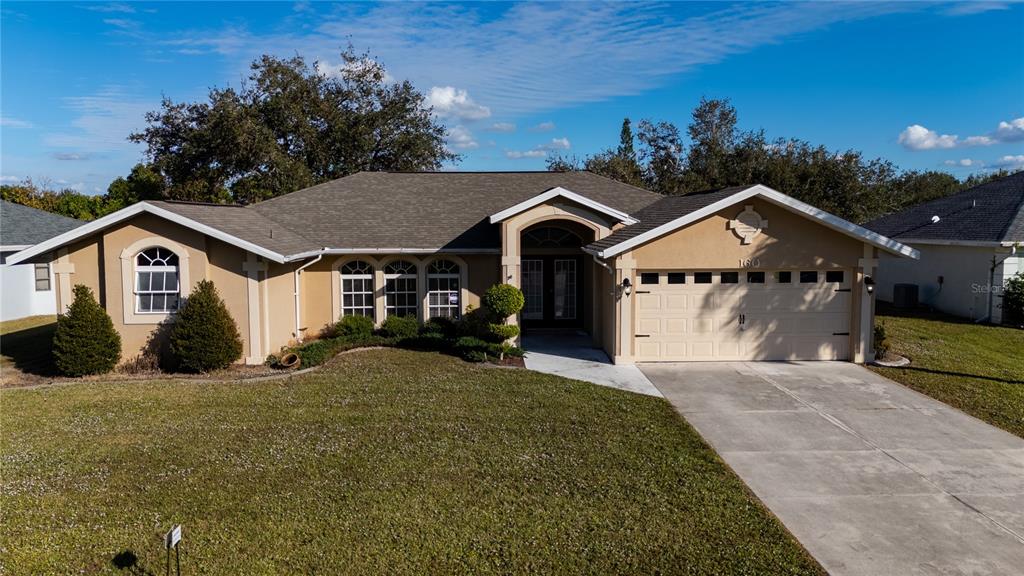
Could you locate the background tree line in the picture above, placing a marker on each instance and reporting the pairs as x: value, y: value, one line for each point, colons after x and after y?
x: 845, y: 183
x: 291, y: 125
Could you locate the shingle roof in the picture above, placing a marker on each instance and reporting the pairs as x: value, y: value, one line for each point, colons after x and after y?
x: 662, y: 212
x: 24, y: 226
x: 245, y: 223
x: 382, y: 210
x: 992, y: 212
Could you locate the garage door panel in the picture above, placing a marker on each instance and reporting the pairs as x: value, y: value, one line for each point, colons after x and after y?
x: 793, y: 321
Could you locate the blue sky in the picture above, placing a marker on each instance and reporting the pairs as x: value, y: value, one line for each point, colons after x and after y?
x: 926, y: 85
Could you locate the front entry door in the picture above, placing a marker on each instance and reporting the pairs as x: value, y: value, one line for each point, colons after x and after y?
x: 553, y: 291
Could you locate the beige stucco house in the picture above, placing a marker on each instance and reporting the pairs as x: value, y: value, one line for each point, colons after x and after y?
x: 740, y: 273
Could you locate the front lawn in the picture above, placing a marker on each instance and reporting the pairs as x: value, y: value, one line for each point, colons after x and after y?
x: 25, y: 348
x: 384, y: 461
x: 976, y: 368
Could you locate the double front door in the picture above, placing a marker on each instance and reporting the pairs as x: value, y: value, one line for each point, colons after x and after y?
x: 553, y: 290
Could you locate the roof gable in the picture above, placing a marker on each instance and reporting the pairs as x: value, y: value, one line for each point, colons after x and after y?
x: 991, y: 213
x: 559, y: 192
x: 676, y: 212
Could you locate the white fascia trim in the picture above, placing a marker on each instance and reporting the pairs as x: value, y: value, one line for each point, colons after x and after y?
x: 13, y: 247
x: 568, y: 195
x: 977, y: 243
x: 776, y: 197
x: 345, y: 251
x: 134, y: 209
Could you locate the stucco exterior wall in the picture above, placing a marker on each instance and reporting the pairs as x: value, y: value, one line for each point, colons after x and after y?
x: 965, y: 272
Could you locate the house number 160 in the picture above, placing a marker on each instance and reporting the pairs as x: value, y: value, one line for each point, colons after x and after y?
x: 750, y: 263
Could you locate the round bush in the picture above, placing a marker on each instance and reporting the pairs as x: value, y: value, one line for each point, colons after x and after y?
x: 315, y: 353
x: 354, y: 326
x: 205, y: 336
x: 504, y: 300
x: 85, y: 341
x: 400, y: 327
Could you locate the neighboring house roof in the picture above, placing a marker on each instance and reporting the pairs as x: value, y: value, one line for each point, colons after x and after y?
x: 21, y: 226
x: 430, y: 210
x: 674, y: 212
x: 992, y: 213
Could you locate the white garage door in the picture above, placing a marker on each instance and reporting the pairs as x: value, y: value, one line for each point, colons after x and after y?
x: 742, y: 315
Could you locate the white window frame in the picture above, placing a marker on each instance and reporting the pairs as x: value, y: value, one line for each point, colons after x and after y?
x: 392, y: 279
x: 36, y: 268
x: 358, y: 277
x: 140, y: 269
x: 444, y: 296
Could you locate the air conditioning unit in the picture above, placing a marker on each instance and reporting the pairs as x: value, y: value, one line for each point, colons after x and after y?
x: 904, y: 296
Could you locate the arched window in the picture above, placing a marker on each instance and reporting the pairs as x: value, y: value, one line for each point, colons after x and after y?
x: 400, y: 298
x: 157, y: 290
x: 443, y: 289
x: 357, y: 289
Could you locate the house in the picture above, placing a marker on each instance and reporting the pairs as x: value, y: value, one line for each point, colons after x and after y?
x: 969, y: 243
x: 27, y: 289
x: 739, y: 273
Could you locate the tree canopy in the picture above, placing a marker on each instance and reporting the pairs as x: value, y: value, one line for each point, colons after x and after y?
x: 719, y: 155
x: 289, y: 126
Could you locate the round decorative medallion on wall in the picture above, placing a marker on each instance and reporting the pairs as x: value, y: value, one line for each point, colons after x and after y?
x: 748, y: 224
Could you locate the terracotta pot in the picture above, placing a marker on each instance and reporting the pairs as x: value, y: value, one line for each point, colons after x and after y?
x: 290, y: 360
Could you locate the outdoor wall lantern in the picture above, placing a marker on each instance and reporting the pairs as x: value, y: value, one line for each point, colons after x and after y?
x: 627, y: 286
x: 869, y: 282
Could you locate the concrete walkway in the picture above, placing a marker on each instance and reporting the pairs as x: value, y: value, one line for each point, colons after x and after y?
x: 872, y: 477
x: 573, y: 356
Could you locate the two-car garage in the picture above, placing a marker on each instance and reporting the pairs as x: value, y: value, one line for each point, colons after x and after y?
x: 742, y: 315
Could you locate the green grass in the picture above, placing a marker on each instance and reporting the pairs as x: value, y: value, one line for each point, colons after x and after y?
x: 978, y: 369
x: 25, y: 346
x: 385, y: 461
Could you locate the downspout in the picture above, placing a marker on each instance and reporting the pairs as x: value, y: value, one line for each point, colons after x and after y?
x: 602, y: 264
x: 298, y: 316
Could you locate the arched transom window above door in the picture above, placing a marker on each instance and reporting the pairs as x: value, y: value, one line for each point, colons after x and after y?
x: 551, y: 237
x: 400, y: 295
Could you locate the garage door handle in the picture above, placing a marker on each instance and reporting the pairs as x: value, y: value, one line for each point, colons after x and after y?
x: 643, y: 336
x: 643, y: 291
x: 840, y: 333
x: 844, y: 290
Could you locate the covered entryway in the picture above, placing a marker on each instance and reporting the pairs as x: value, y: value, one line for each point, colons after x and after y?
x: 743, y: 314
x: 554, y: 275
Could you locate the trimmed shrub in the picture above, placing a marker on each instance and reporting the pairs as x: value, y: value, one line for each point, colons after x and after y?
x: 473, y: 323
x: 1013, y: 300
x: 316, y: 352
x: 400, y: 327
x: 504, y: 300
x: 881, y: 342
x: 472, y: 349
x: 429, y: 341
x: 443, y: 326
x: 354, y: 326
x: 205, y: 336
x: 85, y: 341
x: 503, y: 332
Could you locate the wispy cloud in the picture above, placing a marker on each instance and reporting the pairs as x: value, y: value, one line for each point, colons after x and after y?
x: 975, y: 7
x: 460, y: 138
x: 533, y: 57
x: 518, y: 154
x: 8, y: 178
x: 112, y: 7
x: 71, y: 156
x: 8, y: 122
x: 543, y: 127
x: 917, y: 137
x: 963, y: 163
x: 103, y: 121
x: 541, y: 150
x: 501, y: 127
x: 1010, y: 162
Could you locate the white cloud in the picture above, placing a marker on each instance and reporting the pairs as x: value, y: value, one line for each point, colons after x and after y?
x: 111, y: 7
x: 541, y: 150
x: 1012, y: 131
x: 1015, y: 162
x: 6, y: 178
x: 917, y: 137
x: 71, y: 156
x: 8, y: 122
x: 543, y: 127
x: 461, y: 138
x: 449, y: 102
x: 501, y: 127
x: 104, y: 121
x: 976, y: 7
x: 517, y: 154
x: 963, y: 163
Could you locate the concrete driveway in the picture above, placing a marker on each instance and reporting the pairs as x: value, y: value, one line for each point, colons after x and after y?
x: 872, y: 477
